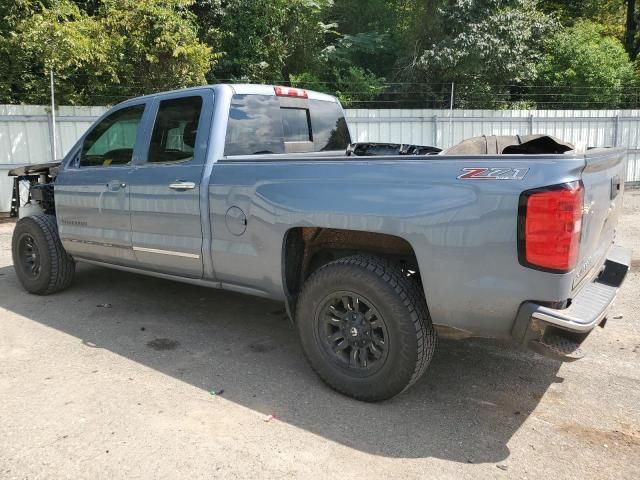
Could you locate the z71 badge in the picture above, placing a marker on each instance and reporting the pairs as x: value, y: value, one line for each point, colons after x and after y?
x: 481, y: 173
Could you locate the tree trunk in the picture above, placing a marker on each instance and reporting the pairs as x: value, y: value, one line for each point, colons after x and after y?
x: 632, y: 30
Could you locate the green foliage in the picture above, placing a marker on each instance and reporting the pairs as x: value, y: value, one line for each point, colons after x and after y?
x: 583, y: 67
x: 156, y: 39
x: 357, y: 85
x: 610, y: 14
x: 150, y: 45
x: 487, y: 44
x: 265, y: 40
x: 499, y: 53
x: 310, y: 81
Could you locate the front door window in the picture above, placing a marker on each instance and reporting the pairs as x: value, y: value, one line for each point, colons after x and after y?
x: 113, y: 140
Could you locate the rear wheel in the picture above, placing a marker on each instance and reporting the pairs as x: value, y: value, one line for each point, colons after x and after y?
x: 365, y: 328
x: 40, y: 261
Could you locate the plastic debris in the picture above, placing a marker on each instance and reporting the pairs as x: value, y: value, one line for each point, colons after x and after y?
x: 617, y: 317
x: 502, y: 467
x: 104, y: 305
x: 269, y: 418
x: 215, y: 392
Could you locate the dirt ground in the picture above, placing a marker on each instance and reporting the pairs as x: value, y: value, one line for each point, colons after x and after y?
x: 113, y: 379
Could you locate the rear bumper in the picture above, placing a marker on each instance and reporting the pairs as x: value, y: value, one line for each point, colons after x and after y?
x: 536, y: 324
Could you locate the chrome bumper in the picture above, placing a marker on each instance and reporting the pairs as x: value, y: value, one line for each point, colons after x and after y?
x: 588, y: 309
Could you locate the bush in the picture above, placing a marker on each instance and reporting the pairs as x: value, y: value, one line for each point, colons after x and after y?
x: 582, y: 68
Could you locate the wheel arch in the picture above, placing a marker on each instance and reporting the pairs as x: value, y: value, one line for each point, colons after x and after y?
x: 306, y: 249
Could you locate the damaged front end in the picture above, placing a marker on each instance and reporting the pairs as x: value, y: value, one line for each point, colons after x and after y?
x: 33, y: 189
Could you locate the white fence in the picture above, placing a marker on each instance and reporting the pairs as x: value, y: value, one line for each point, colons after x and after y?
x: 26, y: 131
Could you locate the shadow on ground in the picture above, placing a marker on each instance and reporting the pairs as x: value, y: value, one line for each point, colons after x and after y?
x: 473, y: 398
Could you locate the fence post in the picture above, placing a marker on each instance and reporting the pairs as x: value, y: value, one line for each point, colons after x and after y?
x: 434, y: 120
x: 531, y: 124
x: 616, y: 131
x: 51, y: 131
x: 451, y: 115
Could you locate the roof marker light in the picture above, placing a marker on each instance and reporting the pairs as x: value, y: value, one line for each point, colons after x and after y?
x: 290, y: 92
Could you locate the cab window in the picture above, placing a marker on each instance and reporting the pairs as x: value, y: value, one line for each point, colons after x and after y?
x: 175, y: 129
x: 330, y: 131
x: 259, y: 124
x: 113, y: 140
x: 255, y: 126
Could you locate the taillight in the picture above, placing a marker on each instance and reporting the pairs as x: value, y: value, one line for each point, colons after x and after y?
x: 290, y: 92
x: 550, y: 226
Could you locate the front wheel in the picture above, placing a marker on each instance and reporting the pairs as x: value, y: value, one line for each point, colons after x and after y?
x: 41, y: 263
x: 365, y: 328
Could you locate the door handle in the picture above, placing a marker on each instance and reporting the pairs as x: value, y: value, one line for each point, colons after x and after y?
x: 178, y: 185
x: 116, y: 185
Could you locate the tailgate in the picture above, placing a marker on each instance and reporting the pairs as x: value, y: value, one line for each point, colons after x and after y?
x: 603, y: 179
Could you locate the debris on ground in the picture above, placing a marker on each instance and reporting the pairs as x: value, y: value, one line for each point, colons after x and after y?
x: 502, y: 467
x: 215, y: 392
x: 104, y: 305
x: 163, y: 344
x: 618, y: 317
x: 269, y: 418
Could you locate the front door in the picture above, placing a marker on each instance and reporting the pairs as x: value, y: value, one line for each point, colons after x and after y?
x: 92, y: 197
x: 165, y: 186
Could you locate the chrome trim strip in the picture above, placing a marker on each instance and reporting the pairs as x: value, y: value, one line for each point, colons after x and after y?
x: 89, y: 242
x: 165, y: 252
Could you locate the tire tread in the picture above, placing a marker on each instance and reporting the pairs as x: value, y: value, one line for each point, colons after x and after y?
x: 62, y: 264
x: 412, y: 297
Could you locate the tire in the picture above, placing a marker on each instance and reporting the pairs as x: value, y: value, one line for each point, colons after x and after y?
x: 40, y: 261
x: 384, y: 305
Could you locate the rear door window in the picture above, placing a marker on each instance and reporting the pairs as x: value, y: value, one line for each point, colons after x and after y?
x: 175, y: 129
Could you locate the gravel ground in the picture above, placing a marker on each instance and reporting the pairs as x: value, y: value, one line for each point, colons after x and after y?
x: 113, y: 379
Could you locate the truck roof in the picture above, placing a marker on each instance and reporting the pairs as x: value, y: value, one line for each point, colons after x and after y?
x: 241, y: 89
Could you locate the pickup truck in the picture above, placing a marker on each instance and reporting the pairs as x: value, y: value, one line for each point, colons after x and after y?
x: 258, y: 189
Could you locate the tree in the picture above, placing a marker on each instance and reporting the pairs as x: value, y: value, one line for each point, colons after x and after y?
x: 266, y: 40
x: 485, y: 47
x: 128, y: 48
x: 582, y: 68
x: 610, y: 14
x: 631, y: 34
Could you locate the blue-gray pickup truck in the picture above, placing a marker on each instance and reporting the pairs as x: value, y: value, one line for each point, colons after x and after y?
x: 374, y: 249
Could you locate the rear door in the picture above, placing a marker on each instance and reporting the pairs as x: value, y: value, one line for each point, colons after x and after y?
x: 92, y: 196
x: 165, y: 185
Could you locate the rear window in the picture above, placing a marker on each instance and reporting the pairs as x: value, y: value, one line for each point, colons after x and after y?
x: 259, y: 125
x: 254, y: 126
x: 296, y: 124
x: 330, y: 130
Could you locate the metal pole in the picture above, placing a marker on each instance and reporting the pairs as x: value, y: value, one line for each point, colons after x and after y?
x: 531, y: 124
x: 434, y: 123
x: 54, y: 141
x: 451, y: 115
